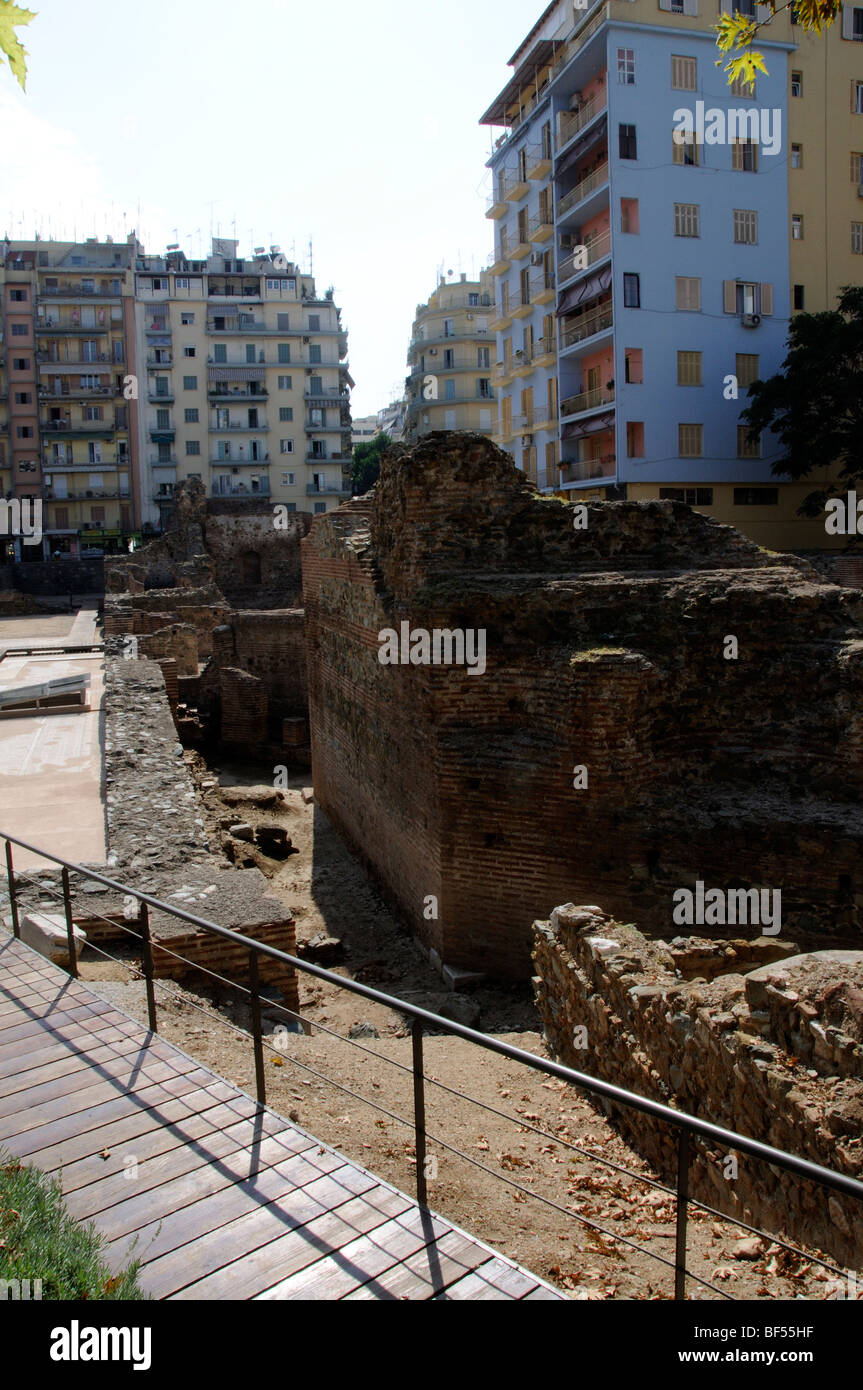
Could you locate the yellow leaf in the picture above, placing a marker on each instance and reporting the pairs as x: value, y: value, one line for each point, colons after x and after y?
x: 10, y: 17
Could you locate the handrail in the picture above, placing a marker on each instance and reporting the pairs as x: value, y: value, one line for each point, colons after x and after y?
x: 726, y: 1138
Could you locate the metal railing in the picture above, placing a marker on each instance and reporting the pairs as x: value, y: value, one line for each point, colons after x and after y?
x: 582, y: 188
x: 587, y: 400
x: 591, y: 323
x: 688, y: 1128
x: 569, y: 123
x: 596, y: 247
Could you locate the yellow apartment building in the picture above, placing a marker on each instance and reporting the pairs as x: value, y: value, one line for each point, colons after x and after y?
x: 451, y: 360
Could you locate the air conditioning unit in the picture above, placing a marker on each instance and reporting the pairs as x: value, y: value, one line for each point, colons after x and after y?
x: 470, y: 318
x: 432, y: 352
x: 307, y: 340
x: 526, y: 440
x: 751, y: 320
x: 536, y: 258
x: 567, y: 241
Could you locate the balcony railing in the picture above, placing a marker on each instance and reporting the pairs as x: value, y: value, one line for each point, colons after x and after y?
x: 169, y: 462
x: 596, y: 249
x: 569, y: 123
x: 328, y: 490
x: 576, y: 195
x: 596, y: 321
x: 329, y: 394
x: 262, y: 490
x: 540, y: 418
x: 587, y: 400
x: 90, y: 495
x: 49, y: 393
x: 583, y: 470
x: 259, y: 428
x: 216, y: 393
x: 240, y: 461
x: 82, y: 427
x: 588, y: 28
x: 77, y: 292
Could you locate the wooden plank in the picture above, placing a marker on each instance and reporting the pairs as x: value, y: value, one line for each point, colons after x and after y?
x: 360, y: 1261
x: 66, y: 1072
x: 73, y: 1102
x: 22, y: 1057
x: 440, y: 1262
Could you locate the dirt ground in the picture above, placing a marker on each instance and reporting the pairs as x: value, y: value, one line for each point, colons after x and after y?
x: 318, y: 1081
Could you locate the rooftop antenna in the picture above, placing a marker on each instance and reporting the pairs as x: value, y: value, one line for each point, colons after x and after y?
x: 311, y: 258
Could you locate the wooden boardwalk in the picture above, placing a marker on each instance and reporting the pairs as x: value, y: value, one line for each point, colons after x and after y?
x: 219, y: 1197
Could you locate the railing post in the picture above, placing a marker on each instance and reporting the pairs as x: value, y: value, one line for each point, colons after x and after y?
x: 257, y: 1032
x: 682, y: 1214
x: 13, y: 892
x: 419, y: 1111
x: 70, y: 924
x: 147, y: 962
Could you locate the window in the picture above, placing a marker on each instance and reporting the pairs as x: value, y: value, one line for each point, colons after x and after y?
x: 314, y: 353
x: 635, y: 439
x: 288, y: 479
x: 631, y: 291
x: 744, y: 156
x: 483, y: 357
x: 756, y: 496
x: 799, y: 297
x: 94, y: 412
x: 483, y: 388
x: 97, y: 514
x: 157, y: 283
x: 796, y: 226
x: 285, y: 383
x: 61, y: 518
x: 286, y: 446
x: 190, y: 383
x: 683, y: 73
x: 20, y: 330
x: 797, y: 84
x: 286, y: 412
x: 316, y: 386
x: 742, y: 88
x: 629, y: 215
x: 852, y: 23
x: 745, y: 449
x: 684, y: 149
x: 449, y: 359
x: 449, y: 390
x: 21, y: 364
x: 690, y: 441
x: 449, y: 328
x: 187, y: 320
x: 283, y: 322
x: 193, y: 447
x: 284, y: 351
x: 24, y: 431
x: 23, y: 397
x: 18, y: 296
x: 220, y: 352
x: 857, y: 98
x: 314, y: 323
x: 191, y: 416
x: 250, y: 353
x: 692, y: 496
x: 744, y: 297
x: 746, y: 368
x: 627, y: 143
x: 745, y: 226
x: 687, y: 219
x: 189, y: 352
x: 320, y: 507
x: 626, y: 66
x: 857, y: 238
x: 273, y: 284
x: 634, y: 366
x: 688, y: 293
x: 857, y: 168
x: 796, y: 156
x: 689, y: 368
x: 182, y: 282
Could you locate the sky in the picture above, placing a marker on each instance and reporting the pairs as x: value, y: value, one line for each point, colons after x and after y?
x: 353, y: 126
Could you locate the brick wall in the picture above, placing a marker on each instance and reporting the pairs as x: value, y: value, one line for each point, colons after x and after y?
x: 605, y: 649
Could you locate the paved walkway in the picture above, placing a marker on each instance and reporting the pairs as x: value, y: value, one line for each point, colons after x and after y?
x: 219, y: 1197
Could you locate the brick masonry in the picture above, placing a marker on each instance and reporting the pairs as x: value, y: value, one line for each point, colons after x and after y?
x: 605, y: 649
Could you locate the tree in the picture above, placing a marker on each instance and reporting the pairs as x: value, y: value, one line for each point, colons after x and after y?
x: 737, y: 32
x: 11, y: 17
x: 366, y: 463
x: 815, y: 402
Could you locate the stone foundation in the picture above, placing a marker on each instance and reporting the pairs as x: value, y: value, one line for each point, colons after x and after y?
x: 747, y: 1034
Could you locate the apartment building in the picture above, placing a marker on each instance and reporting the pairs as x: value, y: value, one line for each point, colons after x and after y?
x: 364, y: 429
x: 451, y: 359
x: 654, y: 232
x: 67, y: 432
x: 244, y: 380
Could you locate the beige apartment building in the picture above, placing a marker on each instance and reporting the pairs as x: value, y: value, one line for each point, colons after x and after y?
x: 244, y: 381
x: 451, y: 360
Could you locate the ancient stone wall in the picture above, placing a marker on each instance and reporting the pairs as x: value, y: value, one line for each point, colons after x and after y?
x: 606, y: 649
x: 748, y: 1035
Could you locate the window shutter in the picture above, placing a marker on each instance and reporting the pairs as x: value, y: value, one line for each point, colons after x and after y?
x: 690, y: 7
x: 729, y: 292
x: 665, y: 4
x: 847, y: 21
x: 767, y: 299
x: 763, y: 13
x: 854, y: 96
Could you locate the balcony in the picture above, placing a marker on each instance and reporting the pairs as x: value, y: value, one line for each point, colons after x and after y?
x: 90, y: 495
x: 577, y: 263
x: 519, y: 250
x: 541, y: 228
x: 79, y: 430
x: 49, y: 362
x: 502, y: 320
x: 102, y: 465
x: 586, y: 470
x: 540, y: 418
x: 331, y: 458
x: 572, y: 123
x: 78, y: 292
x: 595, y: 321
x: 520, y: 306
x: 159, y: 436
x: 517, y: 190
x: 595, y: 179
x: 47, y: 393
x: 542, y: 288
x: 587, y: 400
x: 331, y: 394
x: 157, y: 326
x: 169, y: 462
x: 214, y: 394
x: 335, y: 428
x: 328, y: 490
x: 55, y: 329
x: 538, y: 163
x: 166, y: 360
x: 241, y: 426
x: 501, y: 264
x: 262, y: 489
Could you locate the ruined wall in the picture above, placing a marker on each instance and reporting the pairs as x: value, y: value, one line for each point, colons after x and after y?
x: 771, y: 1048
x: 605, y: 648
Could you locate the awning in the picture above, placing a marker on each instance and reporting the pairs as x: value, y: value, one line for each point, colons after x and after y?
x: 580, y: 148
x: 236, y: 373
x: 540, y: 57
x: 592, y: 285
x: 579, y: 429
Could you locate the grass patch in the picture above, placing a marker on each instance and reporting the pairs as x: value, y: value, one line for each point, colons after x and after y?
x: 40, y: 1240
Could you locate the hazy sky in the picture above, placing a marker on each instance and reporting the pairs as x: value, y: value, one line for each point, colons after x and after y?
x: 353, y: 124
